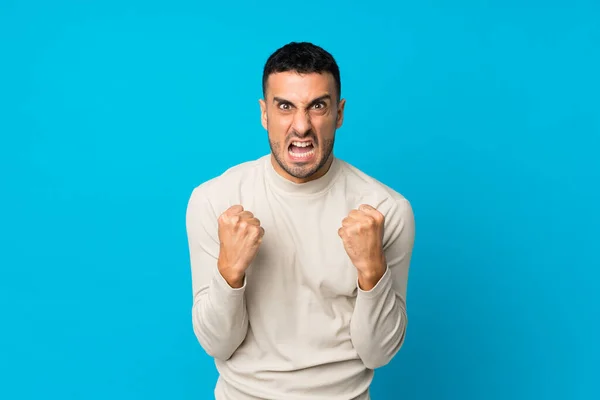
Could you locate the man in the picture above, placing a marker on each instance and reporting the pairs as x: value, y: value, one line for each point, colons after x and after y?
x: 299, y: 260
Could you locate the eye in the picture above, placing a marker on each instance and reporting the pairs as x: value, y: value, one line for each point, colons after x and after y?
x: 320, y: 105
x: 284, y: 106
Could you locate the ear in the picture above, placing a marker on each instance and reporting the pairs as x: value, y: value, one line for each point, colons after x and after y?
x: 263, y: 113
x: 340, y: 113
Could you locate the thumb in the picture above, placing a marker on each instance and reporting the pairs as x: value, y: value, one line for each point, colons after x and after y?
x: 235, y: 209
x: 366, y: 208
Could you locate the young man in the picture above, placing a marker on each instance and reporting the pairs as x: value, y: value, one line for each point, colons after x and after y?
x: 299, y: 260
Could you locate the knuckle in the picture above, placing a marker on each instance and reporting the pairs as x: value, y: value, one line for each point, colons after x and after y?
x: 254, y: 231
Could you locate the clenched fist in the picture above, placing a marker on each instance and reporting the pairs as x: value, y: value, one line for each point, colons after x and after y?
x: 362, y: 235
x: 240, y: 235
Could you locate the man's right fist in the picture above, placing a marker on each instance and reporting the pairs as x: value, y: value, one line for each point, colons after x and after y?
x: 240, y: 235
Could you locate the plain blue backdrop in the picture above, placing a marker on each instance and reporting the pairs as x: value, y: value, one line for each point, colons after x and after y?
x: 485, y: 115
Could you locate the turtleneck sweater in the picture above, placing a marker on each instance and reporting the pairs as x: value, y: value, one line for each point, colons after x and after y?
x: 300, y: 327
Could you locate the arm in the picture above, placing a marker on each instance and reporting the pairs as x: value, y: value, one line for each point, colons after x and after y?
x: 378, y: 324
x: 219, y: 316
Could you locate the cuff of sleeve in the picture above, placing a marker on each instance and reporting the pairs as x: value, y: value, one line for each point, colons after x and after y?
x: 223, y: 287
x: 382, y: 286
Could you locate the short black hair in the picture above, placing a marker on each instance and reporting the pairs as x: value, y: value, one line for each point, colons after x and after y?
x: 303, y: 58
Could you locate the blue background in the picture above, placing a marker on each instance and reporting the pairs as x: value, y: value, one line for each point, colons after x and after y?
x: 486, y: 115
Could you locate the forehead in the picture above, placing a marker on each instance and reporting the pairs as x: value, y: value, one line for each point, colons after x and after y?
x: 300, y: 87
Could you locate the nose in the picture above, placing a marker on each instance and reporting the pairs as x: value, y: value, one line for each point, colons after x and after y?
x: 301, y: 123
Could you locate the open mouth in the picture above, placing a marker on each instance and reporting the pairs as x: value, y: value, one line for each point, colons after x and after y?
x: 301, y: 150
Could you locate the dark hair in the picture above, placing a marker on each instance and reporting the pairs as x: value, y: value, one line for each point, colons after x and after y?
x: 303, y: 58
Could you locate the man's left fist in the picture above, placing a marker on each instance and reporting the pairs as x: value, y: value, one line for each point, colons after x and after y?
x: 362, y: 235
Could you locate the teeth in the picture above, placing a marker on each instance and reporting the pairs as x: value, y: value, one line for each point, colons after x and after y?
x: 301, y: 144
x: 305, y: 154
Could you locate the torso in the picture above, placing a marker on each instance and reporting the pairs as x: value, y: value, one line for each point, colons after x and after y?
x: 300, y: 295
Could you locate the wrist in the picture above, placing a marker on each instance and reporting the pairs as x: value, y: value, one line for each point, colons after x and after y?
x: 234, y: 281
x: 233, y: 278
x: 369, y: 281
x: 369, y: 277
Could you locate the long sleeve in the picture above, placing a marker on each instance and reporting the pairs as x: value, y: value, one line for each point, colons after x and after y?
x: 379, y: 321
x: 219, y: 315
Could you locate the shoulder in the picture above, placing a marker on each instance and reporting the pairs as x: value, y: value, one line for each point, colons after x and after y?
x: 228, y: 188
x: 362, y: 188
x: 361, y: 185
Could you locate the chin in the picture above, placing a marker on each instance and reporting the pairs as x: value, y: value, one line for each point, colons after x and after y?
x: 303, y: 169
x: 300, y: 166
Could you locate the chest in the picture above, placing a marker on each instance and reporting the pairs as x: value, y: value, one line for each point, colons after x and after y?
x: 302, y: 255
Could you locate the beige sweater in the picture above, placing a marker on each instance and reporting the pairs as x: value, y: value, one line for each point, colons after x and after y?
x: 300, y: 327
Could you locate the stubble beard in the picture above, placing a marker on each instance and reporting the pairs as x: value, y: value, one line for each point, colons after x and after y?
x: 302, y: 171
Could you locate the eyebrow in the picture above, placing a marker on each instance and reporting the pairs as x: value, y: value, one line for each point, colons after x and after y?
x: 312, y: 102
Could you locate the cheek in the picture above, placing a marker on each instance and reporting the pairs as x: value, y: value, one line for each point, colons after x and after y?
x: 279, y: 124
x: 324, y: 126
x: 278, y: 134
